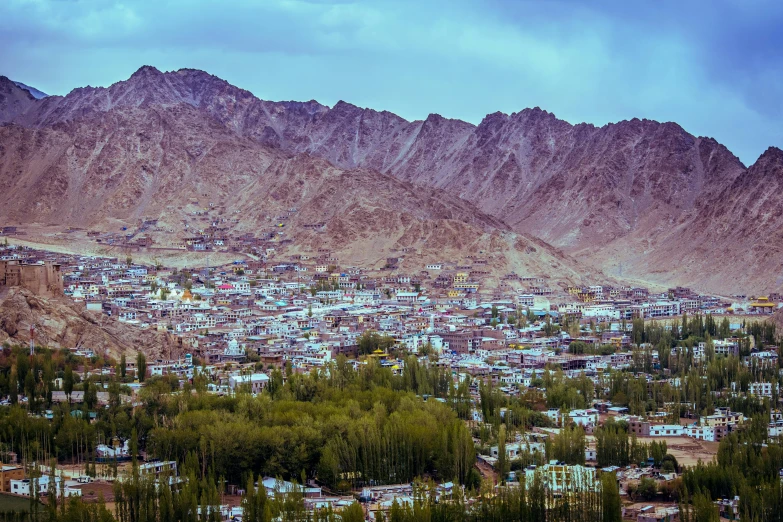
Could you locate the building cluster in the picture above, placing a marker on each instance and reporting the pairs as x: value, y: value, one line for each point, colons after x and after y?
x: 307, y: 310
x: 237, y: 321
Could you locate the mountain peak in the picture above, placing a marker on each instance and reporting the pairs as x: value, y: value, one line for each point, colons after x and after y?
x: 146, y: 70
x: 771, y: 158
x: 14, y: 100
x: 342, y: 105
x: 38, y: 95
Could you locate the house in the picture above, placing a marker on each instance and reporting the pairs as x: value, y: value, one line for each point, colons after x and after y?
x: 763, y: 389
x: 666, y: 430
x: 158, y: 467
x: 722, y: 347
x: 651, y: 514
x: 708, y: 433
x: 41, y: 486
x: 728, y: 508
x: 591, y: 454
x: 554, y: 415
x: 558, y: 477
x: 9, y: 473
x: 722, y: 417
x: 406, y: 297
x: 283, y: 487
x: 587, y: 417
x: 256, y: 381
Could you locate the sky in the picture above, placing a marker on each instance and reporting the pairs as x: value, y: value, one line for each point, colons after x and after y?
x: 713, y: 66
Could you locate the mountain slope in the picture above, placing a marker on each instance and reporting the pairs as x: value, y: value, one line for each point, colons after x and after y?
x: 38, y: 95
x: 61, y: 324
x: 575, y: 186
x: 13, y: 100
x: 145, y: 157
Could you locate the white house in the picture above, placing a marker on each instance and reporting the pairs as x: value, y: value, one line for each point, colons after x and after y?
x: 257, y: 381
x: 584, y: 417
x: 561, y: 477
x: 763, y: 389
x: 554, y: 415
x: 666, y: 430
x: 41, y: 487
x: 701, y: 432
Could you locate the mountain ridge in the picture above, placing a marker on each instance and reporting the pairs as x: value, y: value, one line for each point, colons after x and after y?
x: 579, y: 187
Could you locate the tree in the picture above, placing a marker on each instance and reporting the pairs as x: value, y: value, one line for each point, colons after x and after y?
x: 612, y: 448
x: 502, y: 457
x: 29, y: 391
x: 352, y: 513
x: 90, y: 395
x: 123, y: 365
x: 568, y: 446
x: 577, y: 347
x: 549, y: 328
x: 704, y: 510
x: 647, y: 488
x: 68, y: 382
x: 610, y: 498
x: 13, y: 387
x: 371, y: 340
x: 669, y: 463
x: 141, y: 366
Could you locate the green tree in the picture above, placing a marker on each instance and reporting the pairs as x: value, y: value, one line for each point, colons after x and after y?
x: 254, y: 503
x: 141, y: 366
x: 647, y: 488
x: 90, y: 395
x: 352, y: 513
x: 704, y: 510
x: 29, y: 391
x: 68, y: 381
x: 13, y: 396
x: 502, y: 456
x: 610, y: 498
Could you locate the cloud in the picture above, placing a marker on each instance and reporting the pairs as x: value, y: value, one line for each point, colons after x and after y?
x: 713, y: 67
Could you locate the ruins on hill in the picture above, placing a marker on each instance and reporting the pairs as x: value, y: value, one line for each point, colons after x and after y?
x: 43, y: 278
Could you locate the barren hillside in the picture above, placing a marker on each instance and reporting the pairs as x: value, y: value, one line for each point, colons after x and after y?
x: 60, y: 323
x: 641, y: 199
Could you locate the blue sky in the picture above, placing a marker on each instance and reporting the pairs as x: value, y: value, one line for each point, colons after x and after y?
x: 715, y: 67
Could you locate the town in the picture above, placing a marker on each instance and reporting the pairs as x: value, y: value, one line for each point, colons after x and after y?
x: 559, y: 381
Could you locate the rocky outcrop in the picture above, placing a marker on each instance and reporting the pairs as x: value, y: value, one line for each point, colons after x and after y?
x: 777, y: 318
x: 13, y: 100
x: 62, y: 324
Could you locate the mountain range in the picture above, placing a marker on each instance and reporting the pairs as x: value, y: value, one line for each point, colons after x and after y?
x: 634, y: 200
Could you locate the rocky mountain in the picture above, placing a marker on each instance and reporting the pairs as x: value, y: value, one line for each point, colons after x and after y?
x: 38, y: 95
x: 777, y: 318
x: 626, y: 197
x: 60, y: 323
x: 150, y: 148
x: 13, y: 99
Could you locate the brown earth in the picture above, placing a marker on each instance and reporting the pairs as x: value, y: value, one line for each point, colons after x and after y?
x: 686, y: 450
x: 60, y: 323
